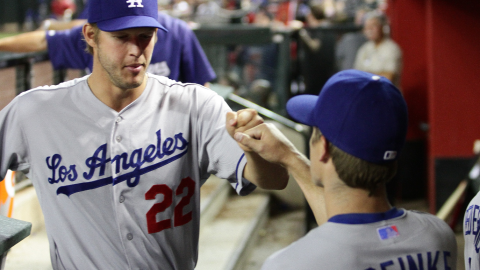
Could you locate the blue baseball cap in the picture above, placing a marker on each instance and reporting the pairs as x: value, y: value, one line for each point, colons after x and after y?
x: 361, y: 113
x: 115, y: 15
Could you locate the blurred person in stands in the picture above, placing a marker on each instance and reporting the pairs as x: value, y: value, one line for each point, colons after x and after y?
x: 210, y: 12
x: 67, y: 15
x: 257, y: 62
x: 316, y: 50
x: 348, y: 45
x: 380, y: 54
x: 63, y: 10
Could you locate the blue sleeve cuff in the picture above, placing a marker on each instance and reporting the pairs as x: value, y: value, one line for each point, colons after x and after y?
x: 243, y: 186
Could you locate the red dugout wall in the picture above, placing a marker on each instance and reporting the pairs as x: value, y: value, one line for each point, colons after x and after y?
x: 440, y: 40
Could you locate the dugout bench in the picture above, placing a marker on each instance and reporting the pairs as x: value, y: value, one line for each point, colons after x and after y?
x: 12, y: 231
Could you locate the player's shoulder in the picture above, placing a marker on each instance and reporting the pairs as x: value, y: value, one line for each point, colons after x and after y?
x: 175, y: 87
x: 430, y: 223
x: 427, y: 230
x: 321, y: 245
x: 42, y: 92
x: 45, y: 98
x: 174, y: 25
x: 168, y: 83
x: 421, y: 215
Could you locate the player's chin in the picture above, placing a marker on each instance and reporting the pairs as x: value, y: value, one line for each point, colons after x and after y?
x: 131, y: 83
x: 135, y: 78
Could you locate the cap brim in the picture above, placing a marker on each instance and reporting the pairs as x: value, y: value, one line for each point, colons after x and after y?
x: 129, y: 22
x: 301, y: 108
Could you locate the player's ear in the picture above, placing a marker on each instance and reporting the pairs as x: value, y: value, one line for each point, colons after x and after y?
x: 319, y: 145
x: 324, y: 149
x: 89, y: 34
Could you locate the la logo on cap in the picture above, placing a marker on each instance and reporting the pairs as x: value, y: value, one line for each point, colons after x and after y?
x: 389, y: 155
x: 134, y: 3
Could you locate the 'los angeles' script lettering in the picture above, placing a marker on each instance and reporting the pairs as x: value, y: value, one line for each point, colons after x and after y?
x: 60, y: 173
x: 98, y: 161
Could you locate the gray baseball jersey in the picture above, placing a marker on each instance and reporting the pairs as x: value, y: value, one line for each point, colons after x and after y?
x: 120, y: 190
x: 396, y: 239
x: 471, y: 228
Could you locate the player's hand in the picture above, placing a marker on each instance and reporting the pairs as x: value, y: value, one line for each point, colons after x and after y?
x: 268, y: 142
x: 241, y: 121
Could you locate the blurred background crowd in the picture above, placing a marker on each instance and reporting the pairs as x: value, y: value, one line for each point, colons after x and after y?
x: 316, y: 52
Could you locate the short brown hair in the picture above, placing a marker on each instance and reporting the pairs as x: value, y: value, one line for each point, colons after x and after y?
x: 96, y: 31
x: 356, y: 172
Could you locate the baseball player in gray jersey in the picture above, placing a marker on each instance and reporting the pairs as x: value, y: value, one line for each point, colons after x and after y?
x: 118, y: 157
x: 360, y: 124
x: 471, y: 228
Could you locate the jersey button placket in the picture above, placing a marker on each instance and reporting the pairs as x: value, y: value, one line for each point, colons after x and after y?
x: 119, y: 119
x: 116, y: 150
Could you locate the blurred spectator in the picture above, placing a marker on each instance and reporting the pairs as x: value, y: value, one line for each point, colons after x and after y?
x: 380, y: 54
x: 26, y: 13
x: 64, y: 20
x: 211, y: 12
x: 349, y: 43
x: 346, y: 9
x: 268, y: 53
x: 316, y: 50
x: 260, y: 92
x: 286, y: 11
x: 182, y: 10
x: 258, y: 62
x: 232, y: 79
x: 63, y: 9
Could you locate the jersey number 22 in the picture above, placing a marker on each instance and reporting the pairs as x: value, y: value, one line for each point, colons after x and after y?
x: 179, y: 218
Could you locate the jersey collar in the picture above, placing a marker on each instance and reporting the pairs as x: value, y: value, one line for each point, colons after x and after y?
x: 367, y: 218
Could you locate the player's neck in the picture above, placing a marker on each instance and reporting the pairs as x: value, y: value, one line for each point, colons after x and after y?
x: 111, y: 95
x: 341, y: 199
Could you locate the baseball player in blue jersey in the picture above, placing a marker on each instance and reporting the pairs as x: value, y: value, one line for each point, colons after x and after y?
x: 118, y: 157
x: 359, y: 125
x: 177, y: 53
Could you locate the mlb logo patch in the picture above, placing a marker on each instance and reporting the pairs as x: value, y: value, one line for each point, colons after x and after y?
x: 388, y: 232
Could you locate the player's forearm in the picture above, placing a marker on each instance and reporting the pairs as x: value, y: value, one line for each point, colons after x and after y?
x: 299, y: 167
x: 264, y: 174
x: 27, y: 42
x: 60, y: 25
